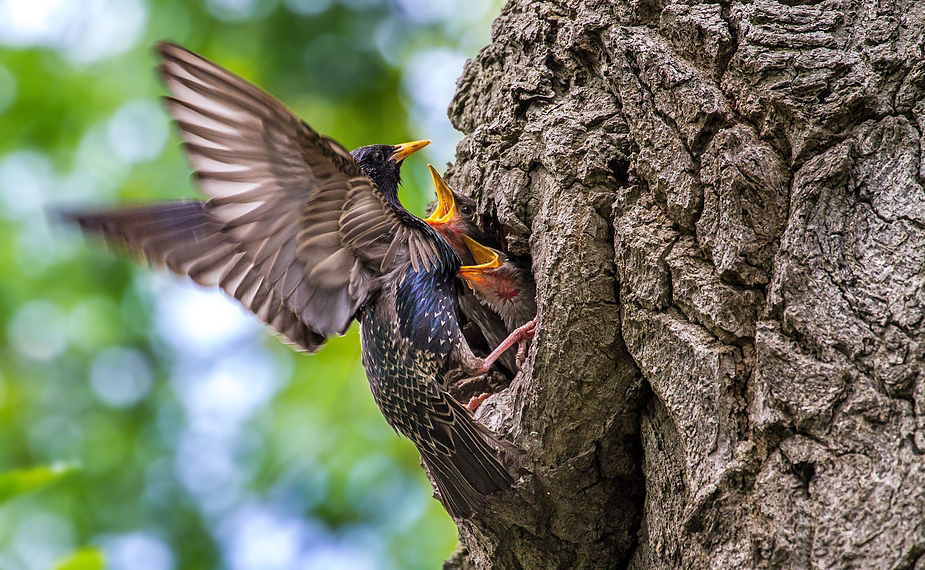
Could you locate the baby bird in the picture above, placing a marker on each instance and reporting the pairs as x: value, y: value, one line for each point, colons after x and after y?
x: 508, y: 288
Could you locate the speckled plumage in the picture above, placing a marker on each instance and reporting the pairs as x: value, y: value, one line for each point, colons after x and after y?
x: 410, y: 335
x: 411, y: 339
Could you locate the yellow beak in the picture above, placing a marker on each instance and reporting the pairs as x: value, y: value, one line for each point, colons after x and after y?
x: 485, y: 258
x: 446, y: 205
x: 404, y: 150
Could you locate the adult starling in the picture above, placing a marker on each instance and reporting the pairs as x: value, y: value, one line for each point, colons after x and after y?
x: 297, y: 224
x: 191, y: 239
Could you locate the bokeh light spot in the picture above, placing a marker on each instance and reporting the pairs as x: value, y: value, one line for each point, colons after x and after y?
x: 37, y: 331
x: 35, y: 22
x: 138, y: 131
x: 120, y: 376
x: 83, y: 31
x: 195, y: 319
x: 259, y: 538
x: 42, y: 538
x: 26, y: 178
x: 137, y: 551
x: 104, y: 28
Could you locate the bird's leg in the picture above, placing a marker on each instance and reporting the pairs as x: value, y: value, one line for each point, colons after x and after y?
x: 468, y: 364
x: 471, y: 364
x: 519, y: 335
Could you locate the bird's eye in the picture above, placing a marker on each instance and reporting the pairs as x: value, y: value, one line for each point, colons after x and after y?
x: 378, y: 156
x: 465, y: 210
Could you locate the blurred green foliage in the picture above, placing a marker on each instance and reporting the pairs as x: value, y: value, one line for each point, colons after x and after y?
x: 22, y: 481
x: 204, y: 442
x: 83, y: 559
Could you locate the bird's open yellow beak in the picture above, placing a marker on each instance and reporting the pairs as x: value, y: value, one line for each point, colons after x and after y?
x: 404, y: 150
x: 446, y: 205
x: 485, y: 259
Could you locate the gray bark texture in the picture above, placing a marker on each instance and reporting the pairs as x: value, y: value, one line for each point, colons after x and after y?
x: 725, y: 207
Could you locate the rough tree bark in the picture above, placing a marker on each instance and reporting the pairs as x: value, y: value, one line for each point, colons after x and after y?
x: 725, y: 207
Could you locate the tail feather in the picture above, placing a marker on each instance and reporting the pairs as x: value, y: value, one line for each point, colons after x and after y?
x: 187, y: 239
x: 478, y: 464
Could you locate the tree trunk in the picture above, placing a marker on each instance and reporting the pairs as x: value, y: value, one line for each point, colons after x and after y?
x: 725, y: 208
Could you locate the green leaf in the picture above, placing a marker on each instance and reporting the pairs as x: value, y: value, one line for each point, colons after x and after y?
x: 21, y: 481
x: 83, y: 559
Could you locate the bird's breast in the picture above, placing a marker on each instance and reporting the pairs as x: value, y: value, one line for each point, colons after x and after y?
x: 426, y: 308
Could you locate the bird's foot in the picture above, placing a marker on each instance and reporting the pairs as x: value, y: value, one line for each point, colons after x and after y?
x: 520, y: 336
x: 476, y: 401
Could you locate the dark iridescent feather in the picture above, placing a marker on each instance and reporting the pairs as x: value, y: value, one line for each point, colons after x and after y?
x: 465, y: 459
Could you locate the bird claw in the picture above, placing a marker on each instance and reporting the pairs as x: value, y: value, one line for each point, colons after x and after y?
x: 476, y: 401
x: 521, y: 357
x: 530, y: 332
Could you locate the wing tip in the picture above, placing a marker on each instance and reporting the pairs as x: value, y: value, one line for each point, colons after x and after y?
x: 171, y: 50
x: 59, y: 216
x: 89, y: 222
x: 174, y: 57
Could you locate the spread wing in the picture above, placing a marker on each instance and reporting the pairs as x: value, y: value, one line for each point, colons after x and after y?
x: 260, y: 165
x: 188, y: 240
x: 313, y: 227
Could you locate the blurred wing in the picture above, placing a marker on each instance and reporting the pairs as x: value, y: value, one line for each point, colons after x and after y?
x: 262, y: 167
x: 188, y: 240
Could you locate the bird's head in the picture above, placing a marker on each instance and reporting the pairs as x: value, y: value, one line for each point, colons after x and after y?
x: 454, y: 216
x: 488, y: 266
x: 382, y: 162
x: 500, y: 282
